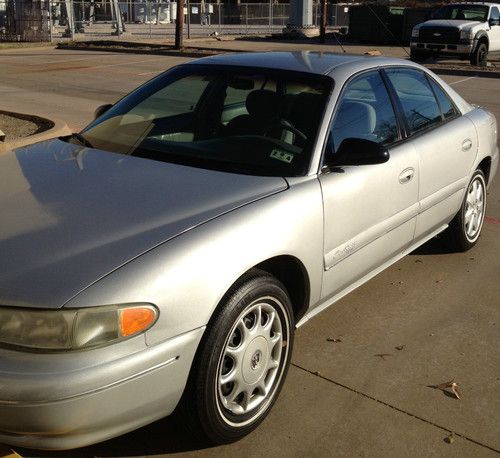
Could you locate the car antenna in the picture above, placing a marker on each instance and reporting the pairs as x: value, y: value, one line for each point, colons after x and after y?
x: 338, y: 41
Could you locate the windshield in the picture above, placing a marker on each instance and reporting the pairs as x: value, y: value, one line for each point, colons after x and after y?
x: 464, y: 12
x: 250, y: 121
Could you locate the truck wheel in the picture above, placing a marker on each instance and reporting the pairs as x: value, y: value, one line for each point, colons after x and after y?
x: 417, y: 56
x: 479, y: 55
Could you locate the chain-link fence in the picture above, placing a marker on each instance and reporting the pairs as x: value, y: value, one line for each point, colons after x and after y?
x: 46, y: 20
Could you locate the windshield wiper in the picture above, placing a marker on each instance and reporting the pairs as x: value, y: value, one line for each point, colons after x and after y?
x: 81, y: 139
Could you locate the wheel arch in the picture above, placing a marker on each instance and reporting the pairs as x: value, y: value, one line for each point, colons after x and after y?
x: 290, y: 271
x: 482, y: 37
x: 485, y: 166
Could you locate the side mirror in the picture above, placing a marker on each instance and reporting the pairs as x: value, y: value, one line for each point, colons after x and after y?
x: 494, y: 22
x: 357, y: 151
x: 101, y: 110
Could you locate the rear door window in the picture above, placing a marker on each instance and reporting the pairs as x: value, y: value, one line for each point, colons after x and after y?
x: 419, y: 104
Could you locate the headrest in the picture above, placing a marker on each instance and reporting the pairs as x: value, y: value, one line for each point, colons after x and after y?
x: 354, y: 115
x: 263, y: 103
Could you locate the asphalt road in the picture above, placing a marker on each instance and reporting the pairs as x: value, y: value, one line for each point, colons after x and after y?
x: 434, y: 316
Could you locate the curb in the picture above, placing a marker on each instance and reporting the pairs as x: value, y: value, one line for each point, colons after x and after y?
x: 203, y: 51
x: 190, y: 52
x: 59, y: 129
x: 464, y: 72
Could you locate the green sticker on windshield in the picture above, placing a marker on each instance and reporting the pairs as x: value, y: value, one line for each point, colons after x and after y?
x: 282, y: 155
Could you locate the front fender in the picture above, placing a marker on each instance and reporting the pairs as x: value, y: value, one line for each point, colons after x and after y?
x: 481, y: 34
x: 187, y: 276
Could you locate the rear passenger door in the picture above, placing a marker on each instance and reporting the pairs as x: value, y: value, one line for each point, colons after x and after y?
x: 369, y: 210
x: 445, y: 141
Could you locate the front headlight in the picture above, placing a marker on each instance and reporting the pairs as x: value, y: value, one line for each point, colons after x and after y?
x: 414, y: 32
x: 66, y: 329
x: 466, y: 34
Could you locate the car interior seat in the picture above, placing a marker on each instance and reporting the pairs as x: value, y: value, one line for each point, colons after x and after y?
x: 263, y: 108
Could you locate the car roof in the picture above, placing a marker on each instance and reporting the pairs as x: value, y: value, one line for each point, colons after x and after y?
x: 320, y: 63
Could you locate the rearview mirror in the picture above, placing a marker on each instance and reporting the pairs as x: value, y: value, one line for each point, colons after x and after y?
x: 358, y: 151
x: 101, y: 110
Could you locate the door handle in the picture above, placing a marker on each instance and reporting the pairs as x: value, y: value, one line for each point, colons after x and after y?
x: 466, y: 144
x: 406, y: 175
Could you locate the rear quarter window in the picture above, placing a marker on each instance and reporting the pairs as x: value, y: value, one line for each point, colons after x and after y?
x: 447, y: 108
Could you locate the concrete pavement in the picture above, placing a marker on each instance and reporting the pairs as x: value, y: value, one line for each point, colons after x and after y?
x: 341, y: 398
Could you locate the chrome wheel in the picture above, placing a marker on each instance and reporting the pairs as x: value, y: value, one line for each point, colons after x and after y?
x: 474, y: 209
x: 251, y: 362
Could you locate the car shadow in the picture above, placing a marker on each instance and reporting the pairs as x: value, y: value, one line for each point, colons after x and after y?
x: 163, y: 437
x: 435, y: 246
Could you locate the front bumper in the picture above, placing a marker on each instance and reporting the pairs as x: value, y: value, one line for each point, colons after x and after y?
x: 63, y: 401
x: 443, y: 48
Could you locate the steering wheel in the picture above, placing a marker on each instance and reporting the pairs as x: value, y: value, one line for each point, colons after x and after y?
x: 285, y: 125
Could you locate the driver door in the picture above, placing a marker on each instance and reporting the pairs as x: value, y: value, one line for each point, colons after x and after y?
x: 369, y: 210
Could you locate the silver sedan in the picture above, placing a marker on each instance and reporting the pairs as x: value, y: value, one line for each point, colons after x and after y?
x: 161, y: 259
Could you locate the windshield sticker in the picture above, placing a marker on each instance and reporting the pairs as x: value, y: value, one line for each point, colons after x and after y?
x: 281, y: 155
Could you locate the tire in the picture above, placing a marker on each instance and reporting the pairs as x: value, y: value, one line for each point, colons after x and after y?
x: 242, y: 361
x: 417, y: 56
x: 479, y: 56
x: 465, y: 228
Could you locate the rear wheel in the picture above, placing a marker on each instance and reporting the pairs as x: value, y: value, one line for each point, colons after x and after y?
x: 243, y: 360
x: 465, y: 228
x: 480, y: 55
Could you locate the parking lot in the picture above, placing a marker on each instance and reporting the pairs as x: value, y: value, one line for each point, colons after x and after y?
x: 359, y: 382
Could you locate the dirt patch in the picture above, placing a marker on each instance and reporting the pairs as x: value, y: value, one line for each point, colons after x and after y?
x: 16, y: 126
x: 140, y: 48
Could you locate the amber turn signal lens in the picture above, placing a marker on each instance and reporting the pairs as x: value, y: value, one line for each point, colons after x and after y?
x: 136, y: 319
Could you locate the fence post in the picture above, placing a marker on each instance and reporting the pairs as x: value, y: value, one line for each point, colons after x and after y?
x: 220, y: 26
x: 322, y: 26
x: 150, y: 20
x: 189, y: 19
x: 50, y: 20
x: 179, y: 25
x: 270, y: 16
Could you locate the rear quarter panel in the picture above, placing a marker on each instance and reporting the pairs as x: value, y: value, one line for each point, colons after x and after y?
x: 487, y: 132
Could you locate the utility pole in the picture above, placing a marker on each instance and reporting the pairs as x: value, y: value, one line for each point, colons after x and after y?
x: 179, y: 25
x: 322, y: 27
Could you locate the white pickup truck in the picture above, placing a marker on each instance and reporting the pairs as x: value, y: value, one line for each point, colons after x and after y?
x: 468, y: 30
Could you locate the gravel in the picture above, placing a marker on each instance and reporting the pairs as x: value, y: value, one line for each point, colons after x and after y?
x: 16, y: 126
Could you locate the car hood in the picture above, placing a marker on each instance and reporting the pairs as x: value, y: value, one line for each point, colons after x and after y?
x: 71, y: 215
x: 451, y: 23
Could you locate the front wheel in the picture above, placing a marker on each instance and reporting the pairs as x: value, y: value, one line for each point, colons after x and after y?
x: 243, y: 360
x: 465, y: 228
x: 480, y: 55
